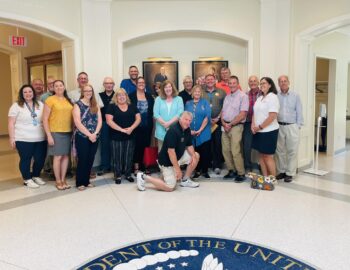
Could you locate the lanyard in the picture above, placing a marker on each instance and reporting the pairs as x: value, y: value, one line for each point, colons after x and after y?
x: 32, y: 113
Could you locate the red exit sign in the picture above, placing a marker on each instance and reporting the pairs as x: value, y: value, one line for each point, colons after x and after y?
x: 18, y: 41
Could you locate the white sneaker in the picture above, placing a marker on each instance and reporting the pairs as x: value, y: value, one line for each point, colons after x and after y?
x: 31, y: 184
x: 140, y: 182
x: 39, y: 181
x: 189, y: 183
x: 217, y: 171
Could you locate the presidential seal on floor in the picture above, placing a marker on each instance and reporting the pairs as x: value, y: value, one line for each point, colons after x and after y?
x: 195, y: 253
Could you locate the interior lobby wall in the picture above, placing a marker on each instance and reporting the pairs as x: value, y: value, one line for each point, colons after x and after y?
x: 136, y: 19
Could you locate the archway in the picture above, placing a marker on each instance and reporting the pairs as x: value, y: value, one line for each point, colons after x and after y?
x: 304, y: 78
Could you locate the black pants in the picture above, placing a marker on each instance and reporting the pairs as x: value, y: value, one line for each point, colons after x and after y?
x: 28, y: 151
x: 216, y: 148
x: 122, y: 157
x: 86, y: 151
x: 247, y: 146
x: 204, y: 159
x: 142, y: 140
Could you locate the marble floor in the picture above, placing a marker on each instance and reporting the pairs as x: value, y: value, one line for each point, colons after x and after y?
x: 307, y: 219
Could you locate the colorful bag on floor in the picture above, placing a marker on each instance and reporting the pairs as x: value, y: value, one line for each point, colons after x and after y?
x: 262, y: 182
x: 150, y: 156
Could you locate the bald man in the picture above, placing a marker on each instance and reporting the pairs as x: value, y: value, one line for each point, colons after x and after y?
x: 106, y: 97
x: 38, y: 86
x: 290, y: 120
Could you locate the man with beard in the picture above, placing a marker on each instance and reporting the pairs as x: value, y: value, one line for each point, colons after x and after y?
x: 130, y: 84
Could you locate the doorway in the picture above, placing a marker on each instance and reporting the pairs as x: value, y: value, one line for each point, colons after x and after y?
x: 324, y: 103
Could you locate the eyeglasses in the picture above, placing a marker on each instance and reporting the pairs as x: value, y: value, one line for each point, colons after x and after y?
x: 262, y: 83
x: 87, y: 91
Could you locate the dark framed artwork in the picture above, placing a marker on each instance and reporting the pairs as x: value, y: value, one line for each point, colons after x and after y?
x: 160, y: 71
x: 202, y: 68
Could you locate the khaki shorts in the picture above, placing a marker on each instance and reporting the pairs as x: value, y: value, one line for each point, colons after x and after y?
x: 169, y: 174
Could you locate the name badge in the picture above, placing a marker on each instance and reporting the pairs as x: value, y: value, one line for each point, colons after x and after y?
x: 182, y: 139
x: 35, y: 121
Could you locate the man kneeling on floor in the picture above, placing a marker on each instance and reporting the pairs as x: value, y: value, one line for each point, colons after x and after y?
x: 177, y: 150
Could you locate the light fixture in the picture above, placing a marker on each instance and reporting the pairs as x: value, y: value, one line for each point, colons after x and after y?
x: 165, y: 58
x: 210, y: 58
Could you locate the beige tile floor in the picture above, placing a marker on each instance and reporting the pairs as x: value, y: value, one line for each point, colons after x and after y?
x: 48, y: 229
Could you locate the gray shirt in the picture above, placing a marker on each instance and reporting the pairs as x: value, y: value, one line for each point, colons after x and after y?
x: 290, y: 108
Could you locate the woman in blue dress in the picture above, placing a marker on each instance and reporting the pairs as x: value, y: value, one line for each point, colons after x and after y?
x: 200, y: 129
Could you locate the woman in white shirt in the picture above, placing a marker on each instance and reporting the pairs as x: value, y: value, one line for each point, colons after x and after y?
x: 265, y: 126
x: 27, y: 135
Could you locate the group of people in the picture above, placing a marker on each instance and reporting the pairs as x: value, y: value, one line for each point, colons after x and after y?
x: 202, y: 127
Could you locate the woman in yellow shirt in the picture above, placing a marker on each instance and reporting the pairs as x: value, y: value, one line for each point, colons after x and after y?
x: 58, y: 122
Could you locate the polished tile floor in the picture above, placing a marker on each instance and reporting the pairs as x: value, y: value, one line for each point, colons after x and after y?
x: 307, y: 219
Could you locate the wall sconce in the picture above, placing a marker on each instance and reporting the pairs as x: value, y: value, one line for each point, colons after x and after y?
x: 155, y: 59
x: 210, y: 58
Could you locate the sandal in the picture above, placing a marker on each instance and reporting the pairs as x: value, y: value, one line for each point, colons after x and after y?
x: 81, y: 188
x: 65, y: 185
x: 59, y: 186
x: 90, y: 185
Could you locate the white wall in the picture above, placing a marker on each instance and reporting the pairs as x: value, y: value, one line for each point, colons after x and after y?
x: 132, y: 19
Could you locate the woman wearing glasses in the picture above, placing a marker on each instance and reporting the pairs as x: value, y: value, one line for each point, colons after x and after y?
x: 265, y: 126
x: 88, y: 121
x: 27, y: 135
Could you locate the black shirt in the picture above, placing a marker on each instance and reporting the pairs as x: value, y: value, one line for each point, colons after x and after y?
x: 175, y: 138
x: 122, y: 119
x: 106, y: 101
x: 185, y: 96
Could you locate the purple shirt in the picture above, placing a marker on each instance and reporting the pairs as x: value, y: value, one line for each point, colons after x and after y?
x: 234, y: 103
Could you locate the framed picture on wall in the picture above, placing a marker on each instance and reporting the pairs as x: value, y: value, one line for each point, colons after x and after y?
x: 160, y: 71
x: 202, y: 68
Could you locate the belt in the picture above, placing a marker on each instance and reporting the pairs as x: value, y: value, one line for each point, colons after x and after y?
x: 234, y: 125
x: 285, y: 124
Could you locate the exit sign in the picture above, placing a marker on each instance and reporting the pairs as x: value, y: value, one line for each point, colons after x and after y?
x: 18, y: 41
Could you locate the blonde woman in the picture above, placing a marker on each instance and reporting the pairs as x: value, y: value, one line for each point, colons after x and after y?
x: 88, y: 121
x: 123, y: 118
x: 57, y: 121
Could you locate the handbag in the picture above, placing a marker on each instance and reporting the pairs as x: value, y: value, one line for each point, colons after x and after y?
x: 262, y: 182
x: 150, y: 156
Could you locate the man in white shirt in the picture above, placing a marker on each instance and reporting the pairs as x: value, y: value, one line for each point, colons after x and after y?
x: 290, y: 120
x: 83, y: 79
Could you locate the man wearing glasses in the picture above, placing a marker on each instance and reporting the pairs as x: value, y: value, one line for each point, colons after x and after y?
x: 106, y: 97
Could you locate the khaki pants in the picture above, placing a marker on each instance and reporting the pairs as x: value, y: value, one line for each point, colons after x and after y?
x: 287, y: 149
x: 231, y: 149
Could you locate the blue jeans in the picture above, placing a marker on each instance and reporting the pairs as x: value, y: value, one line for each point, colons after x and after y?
x: 28, y: 151
x: 105, y: 147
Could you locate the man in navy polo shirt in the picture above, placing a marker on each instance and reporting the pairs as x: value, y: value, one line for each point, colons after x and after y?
x: 177, y: 150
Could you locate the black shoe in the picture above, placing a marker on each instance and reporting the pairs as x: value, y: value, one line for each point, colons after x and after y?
x: 206, y: 175
x: 240, y: 178
x: 196, y: 175
x: 99, y: 173
x: 281, y: 176
x: 130, y: 179
x: 288, y: 179
x: 231, y: 174
x: 118, y: 180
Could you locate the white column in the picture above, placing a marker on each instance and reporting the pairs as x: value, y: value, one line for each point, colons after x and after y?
x: 274, y: 37
x: 96, y: 41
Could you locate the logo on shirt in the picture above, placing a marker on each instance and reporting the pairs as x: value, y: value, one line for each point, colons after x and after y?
x: 194, y: 253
